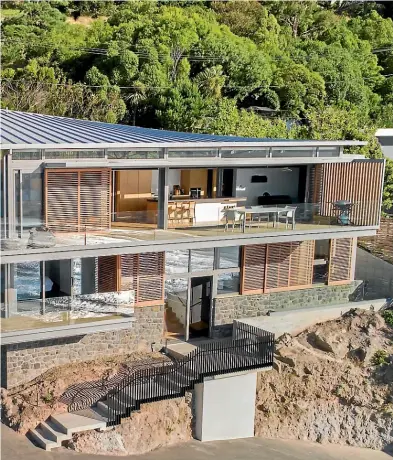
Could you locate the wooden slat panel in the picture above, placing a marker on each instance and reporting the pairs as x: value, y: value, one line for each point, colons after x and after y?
x: 253, y: 269
x: 277, y: 266
x: 302, y: 257
x: 61, y: 200
x: 150, y: 278
x: 359, y: 182
x: 340, y: 262
x: 129, y: 272
x: 95, y: 200
x: 78, y: 200
x: 108, y: 274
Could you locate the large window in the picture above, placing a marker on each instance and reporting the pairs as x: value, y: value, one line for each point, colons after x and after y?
x: 228, y: 283
x: 176, y: 262
x: 202, y: 259
x: 229, y: 257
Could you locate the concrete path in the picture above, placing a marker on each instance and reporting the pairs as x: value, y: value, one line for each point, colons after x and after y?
x: 16, y: 447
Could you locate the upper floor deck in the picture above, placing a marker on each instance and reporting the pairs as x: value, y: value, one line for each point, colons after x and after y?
x: 72, y: 186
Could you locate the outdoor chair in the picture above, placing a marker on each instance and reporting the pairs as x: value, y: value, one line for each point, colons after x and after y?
x: 233, y: 217
x: 287, y: 216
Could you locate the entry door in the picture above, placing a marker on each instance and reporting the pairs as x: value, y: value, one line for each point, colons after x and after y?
x: 200, y: 306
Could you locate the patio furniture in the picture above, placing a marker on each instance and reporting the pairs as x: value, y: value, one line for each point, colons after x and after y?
x: 265, y: 210
x: 287, y: 215
x: 233, y: 216
x: 343, y: 209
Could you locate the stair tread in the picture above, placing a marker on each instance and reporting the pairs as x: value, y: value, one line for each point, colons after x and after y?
x: 75, y: 423
x: 54, y: 430
x: 40, y: 438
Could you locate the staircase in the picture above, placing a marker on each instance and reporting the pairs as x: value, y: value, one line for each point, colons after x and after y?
x: 250, y: 349
x: 173, y: 324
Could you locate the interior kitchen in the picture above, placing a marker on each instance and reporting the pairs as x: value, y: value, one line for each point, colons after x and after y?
x: 200, y: 196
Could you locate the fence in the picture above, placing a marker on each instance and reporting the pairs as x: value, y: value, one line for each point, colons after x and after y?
x: 250, y: 348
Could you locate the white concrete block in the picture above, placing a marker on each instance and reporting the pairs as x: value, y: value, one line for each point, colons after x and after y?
x: 225, y: 408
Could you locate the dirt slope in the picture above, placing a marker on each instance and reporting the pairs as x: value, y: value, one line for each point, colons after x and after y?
x: 325, y: 388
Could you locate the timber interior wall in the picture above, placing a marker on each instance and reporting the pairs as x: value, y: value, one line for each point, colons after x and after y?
x: 340, y: 261
x: 142, y: 273
x: 78, y: 200
x: 360, y: 182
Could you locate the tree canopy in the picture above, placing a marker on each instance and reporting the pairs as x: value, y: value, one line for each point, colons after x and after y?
x: 325, y: 68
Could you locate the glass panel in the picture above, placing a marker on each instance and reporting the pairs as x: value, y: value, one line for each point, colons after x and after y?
x: 229, y: 257
x: 29, y: 155
x: 28, y: 280
x: 192, y: 153
x: 176, y: 306
x: 228, y: 283
x: 293, y: 152
x: 202, y: 259
x: 52, y: 155
x: 261, y: 153
x: 132, y: 154
x: 176, y: 262
x: 321, y: 258
x: 32, y: 199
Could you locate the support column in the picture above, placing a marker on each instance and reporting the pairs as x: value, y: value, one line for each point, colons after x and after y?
x: 163, y: 195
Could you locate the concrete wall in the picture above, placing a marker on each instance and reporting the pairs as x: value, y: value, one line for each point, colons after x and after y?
x: 25, y: 361
x: 225, y: 407
x: 279, y: 182
x: 377, y: 274
x: 229, y: 308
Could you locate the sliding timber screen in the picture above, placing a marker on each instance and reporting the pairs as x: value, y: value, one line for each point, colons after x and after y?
x: 340, y: 261
x: 277, y: 267
x: 359, y: 182
x: 141, y: 273
x: 253, y: 269
x: 77, y: 200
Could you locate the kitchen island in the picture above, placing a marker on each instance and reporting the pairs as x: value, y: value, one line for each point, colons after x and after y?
x: 186, y: 211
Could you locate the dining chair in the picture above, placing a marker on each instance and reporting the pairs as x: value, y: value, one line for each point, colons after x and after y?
x: 233, y: 217
x: 287, y: 215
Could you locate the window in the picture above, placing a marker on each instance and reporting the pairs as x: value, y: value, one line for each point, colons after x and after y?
x: 202, y: 259
x: 229, y: 257
x: 321, y: 258
x: 192, y: 153
x: 176, y: 262
x: 69, y: 154
x: 228, y: 283
x: 136, y: 155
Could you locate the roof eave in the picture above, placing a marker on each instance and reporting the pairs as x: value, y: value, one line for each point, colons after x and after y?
x: 184, y: 145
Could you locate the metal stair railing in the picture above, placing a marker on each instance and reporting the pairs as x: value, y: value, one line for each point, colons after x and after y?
x: 251, y: 348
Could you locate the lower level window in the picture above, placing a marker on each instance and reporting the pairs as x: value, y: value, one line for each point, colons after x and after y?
x: 228, y: 283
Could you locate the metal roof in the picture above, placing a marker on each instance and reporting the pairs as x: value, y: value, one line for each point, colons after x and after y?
x: 22, y: 130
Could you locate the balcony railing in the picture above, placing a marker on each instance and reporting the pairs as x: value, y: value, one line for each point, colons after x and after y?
x: 135, y: 227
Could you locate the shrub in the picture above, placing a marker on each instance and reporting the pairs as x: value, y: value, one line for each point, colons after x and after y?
x: 388, y: 317
x: 380, y: 357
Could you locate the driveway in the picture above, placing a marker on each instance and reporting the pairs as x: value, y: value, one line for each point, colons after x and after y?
x: 16, y: 447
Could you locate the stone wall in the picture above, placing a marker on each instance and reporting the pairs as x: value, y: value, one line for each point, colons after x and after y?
x: 227, y: 309
x: 25, y: 361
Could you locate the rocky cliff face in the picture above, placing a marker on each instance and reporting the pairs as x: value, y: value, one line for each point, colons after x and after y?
x: 325, y: 386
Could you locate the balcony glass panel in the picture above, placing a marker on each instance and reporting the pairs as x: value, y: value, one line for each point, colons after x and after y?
x: 133, y: 155
x: 28, y: 308
x: 72, y: 154
x: 192, y: 153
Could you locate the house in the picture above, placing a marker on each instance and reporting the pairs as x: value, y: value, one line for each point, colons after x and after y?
x: 115, y: 237
x: 385, y: 138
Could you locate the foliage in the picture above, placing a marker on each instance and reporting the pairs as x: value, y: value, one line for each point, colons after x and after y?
x: 323, y: 66
x: 380, y: 357
x: 388, y: 317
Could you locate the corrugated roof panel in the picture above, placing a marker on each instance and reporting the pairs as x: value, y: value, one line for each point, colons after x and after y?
x: 32, y: 128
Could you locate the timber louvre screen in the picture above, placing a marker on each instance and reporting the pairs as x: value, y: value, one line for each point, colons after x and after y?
x: 78, y: 200
x: 277, y: 267
x: 359, y: 182
x: 142, y: 273
x: 340, y: 261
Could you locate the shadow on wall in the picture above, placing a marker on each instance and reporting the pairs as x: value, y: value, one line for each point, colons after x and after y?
x: 377, y: 275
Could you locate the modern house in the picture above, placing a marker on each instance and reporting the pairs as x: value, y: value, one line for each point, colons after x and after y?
x: 385, y: 138
x: 116, y: 238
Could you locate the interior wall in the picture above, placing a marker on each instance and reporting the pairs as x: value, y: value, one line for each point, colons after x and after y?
x: 191, y: 178
x: 279, y: 182
x: 173, y: 179
x: 133, y: 188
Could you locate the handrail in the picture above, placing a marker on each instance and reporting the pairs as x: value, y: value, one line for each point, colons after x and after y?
x: 251, y: 348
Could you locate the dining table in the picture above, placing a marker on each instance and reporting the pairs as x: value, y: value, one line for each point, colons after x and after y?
x: 257, y: 210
